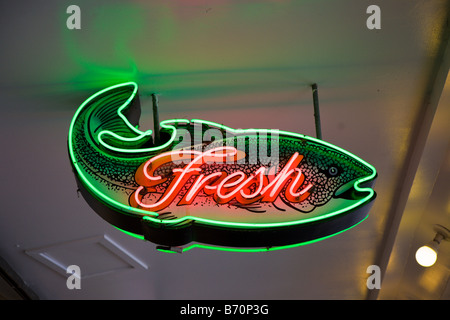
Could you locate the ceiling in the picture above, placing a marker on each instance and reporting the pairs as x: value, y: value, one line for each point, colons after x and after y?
x: 383, y: 96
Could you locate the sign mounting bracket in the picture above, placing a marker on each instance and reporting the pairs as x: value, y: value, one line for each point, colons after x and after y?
x: 156, y: 118
x: 316, y: 111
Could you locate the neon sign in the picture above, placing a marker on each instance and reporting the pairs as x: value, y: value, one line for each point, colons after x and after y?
x: 210, y: 184
x: 222, y: 187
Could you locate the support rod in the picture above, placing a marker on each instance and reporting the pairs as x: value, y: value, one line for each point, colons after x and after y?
x: 316, y: 111
x: 155, y: 118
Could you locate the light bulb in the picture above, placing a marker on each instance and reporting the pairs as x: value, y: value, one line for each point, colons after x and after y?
x: 426, y: 256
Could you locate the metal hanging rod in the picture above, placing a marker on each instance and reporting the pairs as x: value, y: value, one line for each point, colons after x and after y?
x: 155, y: 118
x: 316, y: 111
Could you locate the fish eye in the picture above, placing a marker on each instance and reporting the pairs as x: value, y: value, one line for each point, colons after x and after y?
x: 333, y: 171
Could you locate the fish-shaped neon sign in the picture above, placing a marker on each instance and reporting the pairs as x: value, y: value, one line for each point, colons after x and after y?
x: 211, y: 184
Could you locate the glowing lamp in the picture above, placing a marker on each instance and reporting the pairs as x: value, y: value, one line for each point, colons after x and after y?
x: 426, y: 255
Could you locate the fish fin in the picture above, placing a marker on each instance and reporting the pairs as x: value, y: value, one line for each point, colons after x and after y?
x: 113, y: 118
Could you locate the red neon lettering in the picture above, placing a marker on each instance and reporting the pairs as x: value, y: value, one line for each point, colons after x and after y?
x: 221, y: 186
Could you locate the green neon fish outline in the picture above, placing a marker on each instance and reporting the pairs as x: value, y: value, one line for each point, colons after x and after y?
x: 170, y: 125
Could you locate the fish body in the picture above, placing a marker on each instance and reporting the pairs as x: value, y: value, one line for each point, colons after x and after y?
x: 210, y: 183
